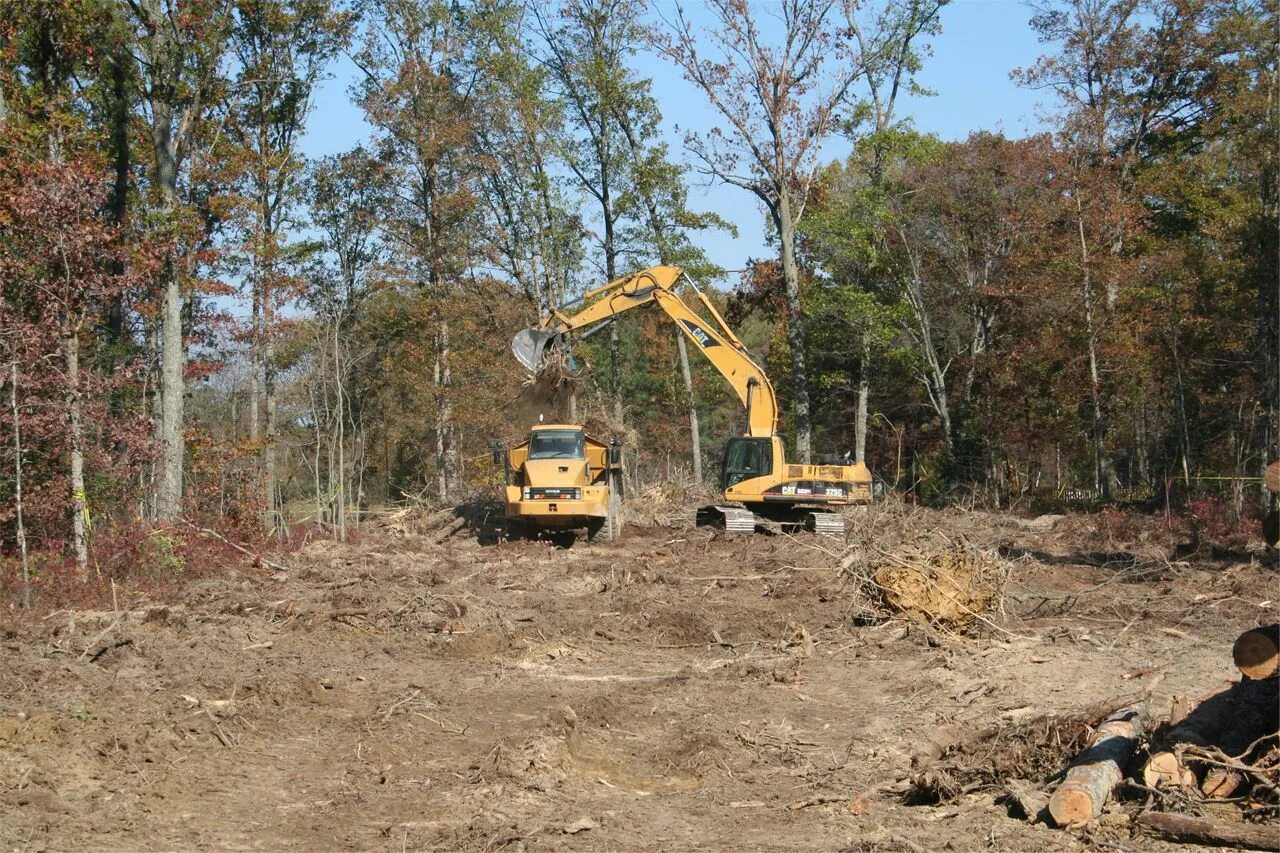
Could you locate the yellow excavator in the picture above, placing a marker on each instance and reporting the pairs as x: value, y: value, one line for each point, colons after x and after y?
x: 760, y: 487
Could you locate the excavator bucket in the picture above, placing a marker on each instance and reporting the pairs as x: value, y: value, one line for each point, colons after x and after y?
x: 529, y: 346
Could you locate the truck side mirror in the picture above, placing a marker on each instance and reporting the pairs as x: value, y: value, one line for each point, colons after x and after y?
x: 615, y: 453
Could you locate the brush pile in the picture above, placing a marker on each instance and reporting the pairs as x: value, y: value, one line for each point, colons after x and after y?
x: 1226, y: 748
x: 950, y: 588
x: 1210, y: 772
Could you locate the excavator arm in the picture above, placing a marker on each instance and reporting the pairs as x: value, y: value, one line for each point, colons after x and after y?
x: 717, y: 342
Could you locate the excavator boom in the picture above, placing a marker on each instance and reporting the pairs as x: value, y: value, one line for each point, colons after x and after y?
x: 656, y: 285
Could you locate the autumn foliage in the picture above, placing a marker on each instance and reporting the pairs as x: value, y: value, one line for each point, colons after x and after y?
x: 201, y: 325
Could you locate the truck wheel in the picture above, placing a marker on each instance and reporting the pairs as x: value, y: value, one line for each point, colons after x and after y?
x: 595, y: 527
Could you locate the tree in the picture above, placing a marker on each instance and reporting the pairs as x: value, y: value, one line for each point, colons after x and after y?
x: 57, y: 277
x: 957, y: 226
x: 1129, y: 77
x: 780, y: 100
x: 282, y: 48
x: 424, y: 64
x: 179, y: 45
x: 586, y: 59
x: 892, y: 54
x: 347, y: 195
x: 536, y: 227
x: 68, y: 270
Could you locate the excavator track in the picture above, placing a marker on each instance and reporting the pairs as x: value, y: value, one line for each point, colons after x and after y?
x: 738, y: 520
x: 733, y: 519
x: 828, y: 523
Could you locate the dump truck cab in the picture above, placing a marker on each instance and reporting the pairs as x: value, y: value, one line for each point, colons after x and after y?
x: 560, y: 478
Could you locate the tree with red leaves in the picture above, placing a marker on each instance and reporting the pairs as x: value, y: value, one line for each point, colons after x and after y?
x: 59, y: 273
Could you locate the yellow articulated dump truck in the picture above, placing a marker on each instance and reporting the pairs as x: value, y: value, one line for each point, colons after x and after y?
x: 561, y: 479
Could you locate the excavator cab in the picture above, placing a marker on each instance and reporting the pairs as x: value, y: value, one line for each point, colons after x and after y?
x: 744, y: 459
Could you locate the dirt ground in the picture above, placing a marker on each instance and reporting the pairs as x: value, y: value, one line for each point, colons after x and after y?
x: 674, y: 690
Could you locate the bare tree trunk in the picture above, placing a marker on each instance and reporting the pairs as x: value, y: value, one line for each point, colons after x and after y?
x: 274, y: 517
x: 255, y: 361
x: 864, y: 393
x: 342, y: 438
x: 445, y: 452
x: 17, y: 486
x: 315, y: 471
x: 75, y: 419
x: 933, y: 374
x: 172, y: 388
x: 173, y: 354
x: 695, y: 436
x: 1184, y: 434
x: 120, y: 120
x: 615, y: 354
x: 796, y: 330
x: 1101, y: 468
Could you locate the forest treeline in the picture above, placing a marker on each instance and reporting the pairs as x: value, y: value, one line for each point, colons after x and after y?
x: 197, y: 321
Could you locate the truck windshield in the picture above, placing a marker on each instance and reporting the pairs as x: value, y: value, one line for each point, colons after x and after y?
x: 556, y: 444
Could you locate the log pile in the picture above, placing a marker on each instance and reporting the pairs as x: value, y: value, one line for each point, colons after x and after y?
x: 1218, y: 759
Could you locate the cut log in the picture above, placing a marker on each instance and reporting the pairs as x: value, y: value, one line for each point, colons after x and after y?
x: 1028, y: 799
x: 1221, y: 782
x: 1198, y: 830
x: 1165, y: 770
x: 1099, y: 769
x: 1257, y: 652
x: 452, y: 528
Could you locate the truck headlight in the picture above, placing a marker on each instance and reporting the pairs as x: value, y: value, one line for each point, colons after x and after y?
x: 526, y: 493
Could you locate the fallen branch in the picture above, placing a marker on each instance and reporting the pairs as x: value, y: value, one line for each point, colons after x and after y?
x: 257, y: 558
x: 101, y: 634
x: 1201, y: 830
x: 345, y: 612
x: 453, y: 527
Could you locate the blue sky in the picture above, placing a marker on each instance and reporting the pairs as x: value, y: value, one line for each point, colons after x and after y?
x: 981, y: 42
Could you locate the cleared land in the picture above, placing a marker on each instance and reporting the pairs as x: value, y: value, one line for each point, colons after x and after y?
x: 675, y: 689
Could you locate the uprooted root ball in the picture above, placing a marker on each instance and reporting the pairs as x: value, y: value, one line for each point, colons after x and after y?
x: 950, y: 588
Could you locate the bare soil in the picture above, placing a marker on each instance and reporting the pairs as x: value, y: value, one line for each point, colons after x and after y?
x: 676, y: 689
